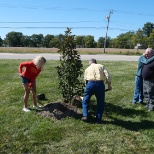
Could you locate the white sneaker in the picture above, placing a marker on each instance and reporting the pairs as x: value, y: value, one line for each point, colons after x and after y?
x: 81, y: 98
x: 26, y: 109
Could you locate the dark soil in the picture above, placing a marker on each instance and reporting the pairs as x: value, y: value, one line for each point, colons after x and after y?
x: 60, y: 110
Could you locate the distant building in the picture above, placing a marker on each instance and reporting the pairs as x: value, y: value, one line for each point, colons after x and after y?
x: 138, y: 46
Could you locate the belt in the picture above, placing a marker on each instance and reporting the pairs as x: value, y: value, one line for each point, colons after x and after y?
x: 95, y: 80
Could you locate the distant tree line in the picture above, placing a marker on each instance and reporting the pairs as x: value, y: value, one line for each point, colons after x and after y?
x: 128, y: 40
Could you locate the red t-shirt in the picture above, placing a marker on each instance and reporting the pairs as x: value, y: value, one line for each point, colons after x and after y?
x: 30, y: 72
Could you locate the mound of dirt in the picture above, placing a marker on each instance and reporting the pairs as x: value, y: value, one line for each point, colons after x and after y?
x: 59, y: 110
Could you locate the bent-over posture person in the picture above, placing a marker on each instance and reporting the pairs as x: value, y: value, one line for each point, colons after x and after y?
x: 95, y: 76
x: 28, y: 71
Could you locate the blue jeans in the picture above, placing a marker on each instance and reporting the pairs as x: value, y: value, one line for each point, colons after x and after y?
x: 25, y: 80
x: 96, y: 88
x: 138, y: 90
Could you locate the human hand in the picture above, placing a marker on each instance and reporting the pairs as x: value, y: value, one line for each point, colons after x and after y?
x: 20, y: 75
x: 109, y: 87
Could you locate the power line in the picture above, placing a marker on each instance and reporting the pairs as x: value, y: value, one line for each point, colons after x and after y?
x: 130, y: 26
x: 65, y: 21
x: 20, y: 22
x: 50, y: 8
x: 133, y: 13
x: 52, y: 27
x: 31, y: 27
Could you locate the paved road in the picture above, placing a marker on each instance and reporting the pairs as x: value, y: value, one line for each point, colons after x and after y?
x: 48, y: 56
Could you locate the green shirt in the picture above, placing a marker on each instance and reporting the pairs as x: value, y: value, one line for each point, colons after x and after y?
x: 142, y: 60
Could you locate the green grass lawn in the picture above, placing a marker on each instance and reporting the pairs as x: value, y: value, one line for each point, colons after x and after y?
x: 127, y: 129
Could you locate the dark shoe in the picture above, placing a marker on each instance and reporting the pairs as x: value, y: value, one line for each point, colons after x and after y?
x: 142, y: 103
x: 84, y: 118
x: 99, y: 122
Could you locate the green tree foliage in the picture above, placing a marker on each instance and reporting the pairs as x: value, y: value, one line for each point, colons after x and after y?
x: 59, y: 37
x: 123, y: 41
x: 80, y: 41
x: 1, y: 41
x: 26, y: 41
x: 114, y: 43
x: 140, y: 38
x: 70, y: 68
x: 54, y: 43
x: 14, y: 39
x: 47, y: 39
x: 147, y: 28
x: 37, y: 40
x: 90, y: 42
x: 100, y: 42
x: 151, y: 40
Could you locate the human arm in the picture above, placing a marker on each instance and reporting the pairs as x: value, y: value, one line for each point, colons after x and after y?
x: 144, y: 60
x: 109, y: 86
x: 108, y: 78
x: 21, y: 66
x: 85, y: 77
x: 20, y: 69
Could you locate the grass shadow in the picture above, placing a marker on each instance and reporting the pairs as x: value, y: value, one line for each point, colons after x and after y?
x: 123, y: 111
x: 132, y: 126
x: 128, y: 112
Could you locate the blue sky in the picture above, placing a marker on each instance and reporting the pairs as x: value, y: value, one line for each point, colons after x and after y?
x: 85, y: 17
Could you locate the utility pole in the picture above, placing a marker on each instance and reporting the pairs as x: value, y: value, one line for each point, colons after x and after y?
x: 108, y: 20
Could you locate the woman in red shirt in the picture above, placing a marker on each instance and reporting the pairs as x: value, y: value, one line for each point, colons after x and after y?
x: 28, y: 72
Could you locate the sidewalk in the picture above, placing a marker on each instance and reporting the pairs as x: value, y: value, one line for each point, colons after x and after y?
x: 105, y: 57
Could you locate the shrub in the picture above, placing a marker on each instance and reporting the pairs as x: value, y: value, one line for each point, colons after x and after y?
x: 70, y: 69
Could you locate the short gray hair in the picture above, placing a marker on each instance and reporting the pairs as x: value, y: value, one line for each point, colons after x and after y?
x: 93, y: 61
x: 150, y: 50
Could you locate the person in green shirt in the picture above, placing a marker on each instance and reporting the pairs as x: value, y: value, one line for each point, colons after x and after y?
x: 138, y: 86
